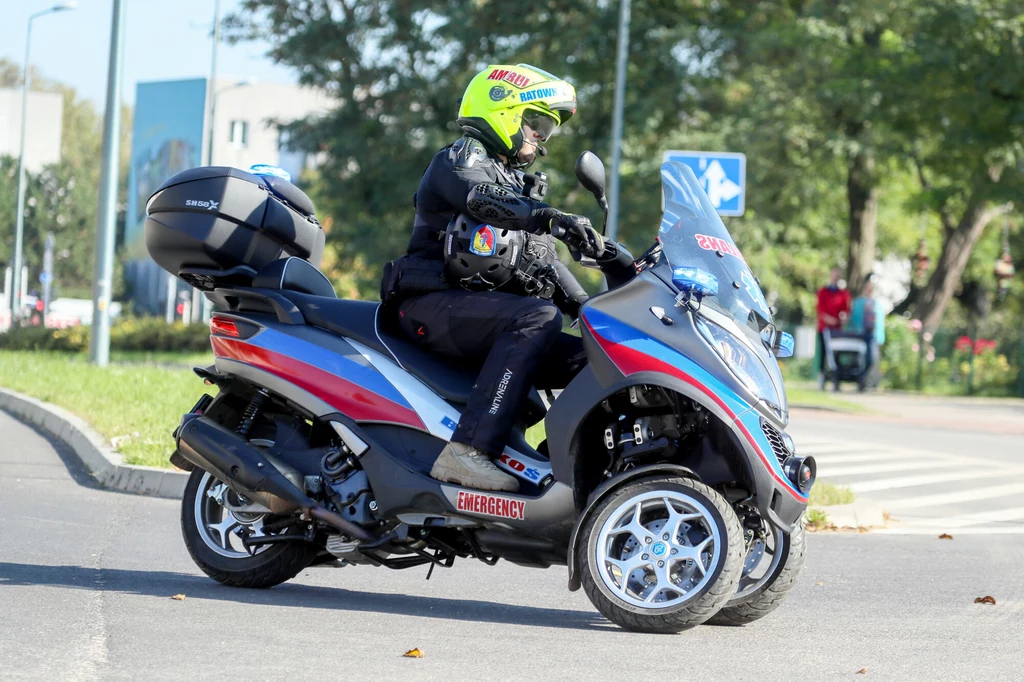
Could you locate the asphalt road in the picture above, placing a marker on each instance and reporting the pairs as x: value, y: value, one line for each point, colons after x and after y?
x: 86, y: 578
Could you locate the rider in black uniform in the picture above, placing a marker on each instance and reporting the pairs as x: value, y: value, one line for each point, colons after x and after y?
x: 506, y: 113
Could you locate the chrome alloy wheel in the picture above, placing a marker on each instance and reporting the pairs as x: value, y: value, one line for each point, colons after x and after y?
x: 658, y: 549
x: 220, y: 527
x: 762, y: 557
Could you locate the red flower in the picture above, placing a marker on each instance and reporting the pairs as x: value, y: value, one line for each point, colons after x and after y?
x: 963, y: 343
x: 982, y: 345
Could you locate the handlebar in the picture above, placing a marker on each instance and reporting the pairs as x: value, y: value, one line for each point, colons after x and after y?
x: 616, y: 262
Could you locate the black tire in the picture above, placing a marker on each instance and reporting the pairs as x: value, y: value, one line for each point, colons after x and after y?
x: 270, y: 567
x: 768, y: 596
x: 696, y: 609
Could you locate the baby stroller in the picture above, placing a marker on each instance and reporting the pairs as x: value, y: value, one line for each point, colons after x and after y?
x: 845, y: 358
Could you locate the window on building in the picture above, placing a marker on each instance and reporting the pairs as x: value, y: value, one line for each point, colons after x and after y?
x: 239, y: 133
x: 284, y: 141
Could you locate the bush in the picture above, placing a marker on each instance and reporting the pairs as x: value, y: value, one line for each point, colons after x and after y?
x: 945, y: 367
x: 152, y: 333
x: 898, y: 363
x: 798, y: 369
x: 129, y: 333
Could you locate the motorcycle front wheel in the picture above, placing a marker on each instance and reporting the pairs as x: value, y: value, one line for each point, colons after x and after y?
x: 661, y: 554
x: 770, y: 570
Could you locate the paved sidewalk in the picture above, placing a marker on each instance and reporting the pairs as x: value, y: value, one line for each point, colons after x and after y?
x: 991, y: 415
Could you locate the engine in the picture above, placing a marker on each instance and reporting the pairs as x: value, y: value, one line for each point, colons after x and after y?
x: 650, y: 424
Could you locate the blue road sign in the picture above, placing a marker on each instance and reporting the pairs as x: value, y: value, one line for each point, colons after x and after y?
x: 723, y: 174
x: 45, y: 277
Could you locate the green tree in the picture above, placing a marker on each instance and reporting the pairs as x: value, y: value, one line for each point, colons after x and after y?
x: 964, y: 130
x: 928, y: 89
x: 856, y: 117
x: 397, y: 69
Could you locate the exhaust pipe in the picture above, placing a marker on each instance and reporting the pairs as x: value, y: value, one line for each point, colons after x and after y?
x: 247, y: 471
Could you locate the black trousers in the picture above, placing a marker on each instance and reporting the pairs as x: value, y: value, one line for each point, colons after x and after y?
x: 519, y: 340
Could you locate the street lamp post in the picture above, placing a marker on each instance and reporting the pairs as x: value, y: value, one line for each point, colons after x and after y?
x: 211, y: 84
x: 199, y: 301
x: 19, y: 223
x: 622, y: 57
x: 99, y: 346
x: 200, y: 304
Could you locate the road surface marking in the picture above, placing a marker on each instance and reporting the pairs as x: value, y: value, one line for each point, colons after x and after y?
x: 853, y: 459
x: 977, y: 518
x: 939, y: 529
x: 927, y: 479
x: 826, y: 471
x: 952, y: 498
x: 825, y: 448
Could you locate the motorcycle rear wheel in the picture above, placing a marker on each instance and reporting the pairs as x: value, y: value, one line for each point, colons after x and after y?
x: 661, y: 554
x: 217, y: 550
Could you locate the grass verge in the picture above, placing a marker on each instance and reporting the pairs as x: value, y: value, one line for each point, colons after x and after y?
x: 825, y: 494
x: 815, y: 519
x: 134, y: 406
x: 162, y: 357
x: 814, y: 398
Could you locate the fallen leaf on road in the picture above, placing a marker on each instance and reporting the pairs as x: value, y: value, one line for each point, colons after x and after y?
x: 413, y: 653
x: 178, y: 597
x: 945, y: 536
x: 862, y: 671
x: 820, y: 583
x: 985, y: 600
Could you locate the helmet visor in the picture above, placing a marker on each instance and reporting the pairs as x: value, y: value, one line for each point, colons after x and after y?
x: 541, y: 124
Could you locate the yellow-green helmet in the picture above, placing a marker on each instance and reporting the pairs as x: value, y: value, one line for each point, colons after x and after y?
x: 498, y: 98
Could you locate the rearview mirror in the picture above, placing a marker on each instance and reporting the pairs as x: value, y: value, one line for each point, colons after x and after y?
x: 590, y: 172
x: 784, y: 345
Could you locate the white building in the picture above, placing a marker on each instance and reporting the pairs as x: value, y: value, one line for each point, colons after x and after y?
x: 245, y: 123
x: 43, y: 134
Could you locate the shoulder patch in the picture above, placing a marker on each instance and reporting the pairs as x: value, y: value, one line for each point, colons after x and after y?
x: 466, y: 153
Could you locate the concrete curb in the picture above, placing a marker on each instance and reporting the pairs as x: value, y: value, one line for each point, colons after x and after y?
x: 105, y: 465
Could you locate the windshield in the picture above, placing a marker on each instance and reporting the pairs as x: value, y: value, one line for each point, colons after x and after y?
x: 693, y: 235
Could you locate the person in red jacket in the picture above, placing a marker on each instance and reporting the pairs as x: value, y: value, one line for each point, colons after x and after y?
x: 833, y: 309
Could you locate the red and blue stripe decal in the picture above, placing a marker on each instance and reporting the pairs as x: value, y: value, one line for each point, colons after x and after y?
x: 632, y: 351
x: 346, y: 383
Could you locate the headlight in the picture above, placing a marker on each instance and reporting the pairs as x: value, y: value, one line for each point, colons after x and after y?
x: 741, y: 360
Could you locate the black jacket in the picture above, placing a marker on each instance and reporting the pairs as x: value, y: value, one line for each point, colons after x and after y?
x: 452, y: 173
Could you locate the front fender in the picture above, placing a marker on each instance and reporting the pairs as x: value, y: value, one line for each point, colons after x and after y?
x: 778, y: 500
x: 605, y: 489
x: 581, y: 396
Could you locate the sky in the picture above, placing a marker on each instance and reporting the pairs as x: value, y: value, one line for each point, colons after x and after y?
x: 164, y: 40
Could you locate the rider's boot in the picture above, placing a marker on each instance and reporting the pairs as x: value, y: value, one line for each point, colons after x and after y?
x: 467, y: 466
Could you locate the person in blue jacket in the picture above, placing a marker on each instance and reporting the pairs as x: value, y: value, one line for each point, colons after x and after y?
x: 867, y: 319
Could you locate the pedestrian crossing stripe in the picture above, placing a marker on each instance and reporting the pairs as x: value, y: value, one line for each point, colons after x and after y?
x: 913, y: 508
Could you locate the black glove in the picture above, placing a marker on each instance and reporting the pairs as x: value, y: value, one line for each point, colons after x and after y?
x: 577, y: 232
